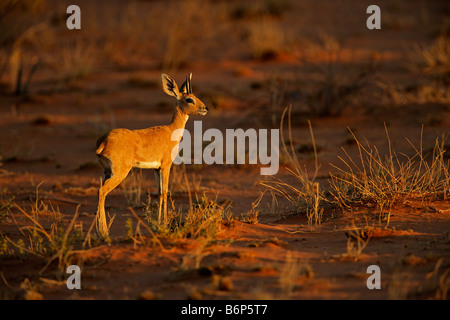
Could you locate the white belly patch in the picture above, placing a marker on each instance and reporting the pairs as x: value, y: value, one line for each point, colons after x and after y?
x: 147, y: 165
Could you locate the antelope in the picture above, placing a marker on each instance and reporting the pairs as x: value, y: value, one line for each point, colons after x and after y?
x: 152, y: 148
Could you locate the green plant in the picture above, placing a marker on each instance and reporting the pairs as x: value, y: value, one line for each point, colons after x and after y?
x: 203, y: 220
x: 4, y: 246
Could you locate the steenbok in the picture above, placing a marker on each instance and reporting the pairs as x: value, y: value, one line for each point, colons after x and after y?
x: 153, y: 148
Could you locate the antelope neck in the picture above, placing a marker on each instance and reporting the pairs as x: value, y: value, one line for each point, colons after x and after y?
x: 179, y: 119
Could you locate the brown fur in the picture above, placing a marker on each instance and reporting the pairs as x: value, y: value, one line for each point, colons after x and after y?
x: 121, y: 149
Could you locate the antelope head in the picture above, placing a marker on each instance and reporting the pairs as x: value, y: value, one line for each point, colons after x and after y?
x: 185, y: 99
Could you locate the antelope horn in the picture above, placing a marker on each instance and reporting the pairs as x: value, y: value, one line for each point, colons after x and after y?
x: 188, y: 83
x: 186, y: 86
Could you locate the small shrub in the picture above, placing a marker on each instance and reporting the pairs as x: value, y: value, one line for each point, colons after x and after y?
x: 267, y: 40
x: 306, y: 196
x: 370, y: 178
x: 434, y: 59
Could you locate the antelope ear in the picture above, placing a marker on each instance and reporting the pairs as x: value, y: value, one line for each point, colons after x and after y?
x: 170, y: 86
x: 186, y: 86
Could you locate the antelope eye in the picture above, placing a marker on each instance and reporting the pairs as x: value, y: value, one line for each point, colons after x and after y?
x: 189, y: 100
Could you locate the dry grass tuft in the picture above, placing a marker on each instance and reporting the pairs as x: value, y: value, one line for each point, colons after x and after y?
x: 307, y: 195
x: 267, y: 39
x: 434, y: 59
x: 370, y: 178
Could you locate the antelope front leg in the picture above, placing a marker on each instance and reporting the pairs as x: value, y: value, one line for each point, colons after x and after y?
x: 165, y: 188
x: 160, y: 192
x: 163, y: 174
